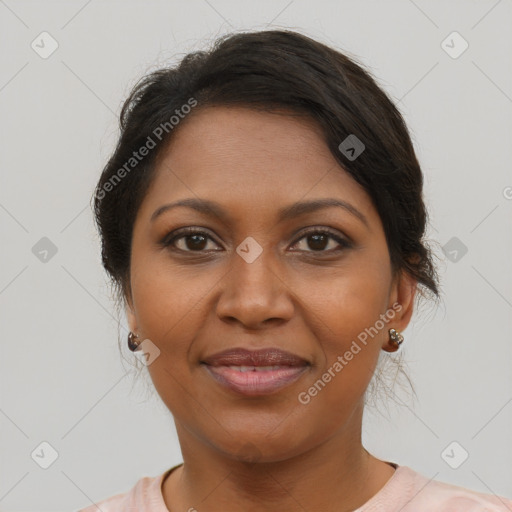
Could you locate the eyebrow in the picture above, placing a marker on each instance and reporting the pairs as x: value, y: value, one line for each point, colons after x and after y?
x: 214, y: 209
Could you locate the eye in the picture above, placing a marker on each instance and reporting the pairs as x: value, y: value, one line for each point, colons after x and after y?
x: 191, y: 240
x: 319, y: 239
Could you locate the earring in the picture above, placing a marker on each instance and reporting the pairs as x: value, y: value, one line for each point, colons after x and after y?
x: 133, y: 342
x: 395, y: 340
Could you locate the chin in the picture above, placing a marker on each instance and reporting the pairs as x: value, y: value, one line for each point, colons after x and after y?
x: 254, y: 448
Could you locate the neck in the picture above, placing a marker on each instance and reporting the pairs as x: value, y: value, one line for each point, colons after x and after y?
x: 339, y: 475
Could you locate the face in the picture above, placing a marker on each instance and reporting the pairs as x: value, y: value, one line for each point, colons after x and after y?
x: 265, y: 267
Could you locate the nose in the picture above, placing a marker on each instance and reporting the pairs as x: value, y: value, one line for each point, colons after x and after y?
x: 255, y: 294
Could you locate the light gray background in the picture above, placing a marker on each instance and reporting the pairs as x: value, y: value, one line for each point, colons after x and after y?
x: 62, y: 378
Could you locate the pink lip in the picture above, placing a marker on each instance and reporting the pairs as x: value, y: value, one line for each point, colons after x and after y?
x: 287, y: 368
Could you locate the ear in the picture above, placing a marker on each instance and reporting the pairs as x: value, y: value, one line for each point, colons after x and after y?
x: 403, y: 292
x: 130, y: 317
x: 130, y: 313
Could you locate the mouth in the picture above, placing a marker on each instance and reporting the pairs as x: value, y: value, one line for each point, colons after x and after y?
x: 255, y: 373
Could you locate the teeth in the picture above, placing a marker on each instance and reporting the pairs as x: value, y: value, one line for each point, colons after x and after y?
x: 255, y: 368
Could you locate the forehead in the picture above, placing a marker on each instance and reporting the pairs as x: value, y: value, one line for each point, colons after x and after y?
x: 250, y: 158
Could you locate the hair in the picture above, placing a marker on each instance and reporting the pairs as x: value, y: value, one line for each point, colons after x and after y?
x: 272, y: 70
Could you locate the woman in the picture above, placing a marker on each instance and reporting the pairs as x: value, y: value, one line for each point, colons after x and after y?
x: 262, y: 219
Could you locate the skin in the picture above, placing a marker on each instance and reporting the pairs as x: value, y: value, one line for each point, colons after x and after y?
x: 267, y: 453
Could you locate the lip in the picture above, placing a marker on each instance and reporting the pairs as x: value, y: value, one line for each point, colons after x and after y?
x: 255, y: 372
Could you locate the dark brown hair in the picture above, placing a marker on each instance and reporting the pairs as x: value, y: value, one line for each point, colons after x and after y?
x: 271, y: 70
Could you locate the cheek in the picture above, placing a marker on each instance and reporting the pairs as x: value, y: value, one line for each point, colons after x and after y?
x: 158, y: 301
x: 167, y: 297
x: 346, y: 310
x: 168, y: 312
x: 351, y: 298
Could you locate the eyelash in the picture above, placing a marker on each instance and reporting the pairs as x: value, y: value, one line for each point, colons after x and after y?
x: 172, y: 237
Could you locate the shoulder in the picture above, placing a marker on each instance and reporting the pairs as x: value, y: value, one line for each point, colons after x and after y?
x: 144, y: 496
x: 422, y: 493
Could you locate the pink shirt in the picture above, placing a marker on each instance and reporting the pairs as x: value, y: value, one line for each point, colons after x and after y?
x: 405, y: 491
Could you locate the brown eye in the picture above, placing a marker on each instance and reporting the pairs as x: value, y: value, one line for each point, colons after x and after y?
x: 195, y: 242
x: 318, y: 242
x: 188, y: 240
x: 321, y: 241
